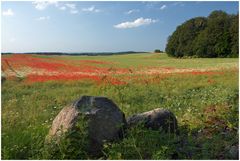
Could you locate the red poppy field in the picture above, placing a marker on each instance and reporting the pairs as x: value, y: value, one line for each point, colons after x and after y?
x: 41, y: 69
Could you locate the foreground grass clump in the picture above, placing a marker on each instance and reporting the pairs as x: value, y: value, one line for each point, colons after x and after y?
x: 71, y: 145
x: 206, y: 107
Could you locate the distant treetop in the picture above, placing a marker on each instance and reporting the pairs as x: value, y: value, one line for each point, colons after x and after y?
x: 158, y: 51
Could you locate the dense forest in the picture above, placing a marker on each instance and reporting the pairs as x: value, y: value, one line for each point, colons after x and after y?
x: 212, y: 36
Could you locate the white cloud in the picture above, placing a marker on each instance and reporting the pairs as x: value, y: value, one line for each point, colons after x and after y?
x: 73, y: 11
x: 72, y: 8
x: 136, y: 23
x: 132, y: 11
x: 91, y: 9
x: 62, y: 8
x: 70, y: 5
x: 8, y: 12
x: 43, y: 18
x: 163, y: 7
x: 41, y: 5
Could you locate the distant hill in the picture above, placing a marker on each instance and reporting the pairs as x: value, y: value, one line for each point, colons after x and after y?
x: 79, y: 54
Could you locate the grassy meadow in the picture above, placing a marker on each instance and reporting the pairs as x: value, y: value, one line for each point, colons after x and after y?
x: 203, y: 93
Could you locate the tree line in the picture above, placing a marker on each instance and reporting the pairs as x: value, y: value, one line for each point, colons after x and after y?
x: 212, y: 36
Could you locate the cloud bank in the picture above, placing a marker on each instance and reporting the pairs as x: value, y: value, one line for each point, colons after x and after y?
x: 132, y: 11
x: 91, y: 9
x: 41, y: 5
x: 136, y: 23
x: 8, y: 12
x: 163, y: 7
x: 72, y: 7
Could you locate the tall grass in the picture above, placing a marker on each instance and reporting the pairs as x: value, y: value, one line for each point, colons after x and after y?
x: 207, y: 112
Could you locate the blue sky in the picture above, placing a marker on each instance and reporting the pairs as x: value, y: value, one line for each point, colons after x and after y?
x: 97, y: 26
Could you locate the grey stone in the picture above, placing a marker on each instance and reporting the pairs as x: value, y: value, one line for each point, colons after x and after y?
x: 156, y: 119
x: 105, y: 121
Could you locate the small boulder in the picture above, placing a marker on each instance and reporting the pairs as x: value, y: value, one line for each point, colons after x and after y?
x: 155, y: 119
x: 105, y: 121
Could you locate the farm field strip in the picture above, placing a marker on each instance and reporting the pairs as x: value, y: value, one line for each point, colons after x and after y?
x: 43, y: 68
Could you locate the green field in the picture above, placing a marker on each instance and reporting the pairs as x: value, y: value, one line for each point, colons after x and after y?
x: 206, y: 107
x: 158, y: 60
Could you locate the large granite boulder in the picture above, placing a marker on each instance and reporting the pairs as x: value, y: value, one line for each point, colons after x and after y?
x: 156, y: 119
x: 105, y: 121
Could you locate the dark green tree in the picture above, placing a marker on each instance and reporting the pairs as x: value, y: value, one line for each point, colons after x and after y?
x: 181, y: 42
x: 214, y: 36
x: 217, y: 33
x: 234, y: 35
x: 200, y: 45
x: 157, y: 51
